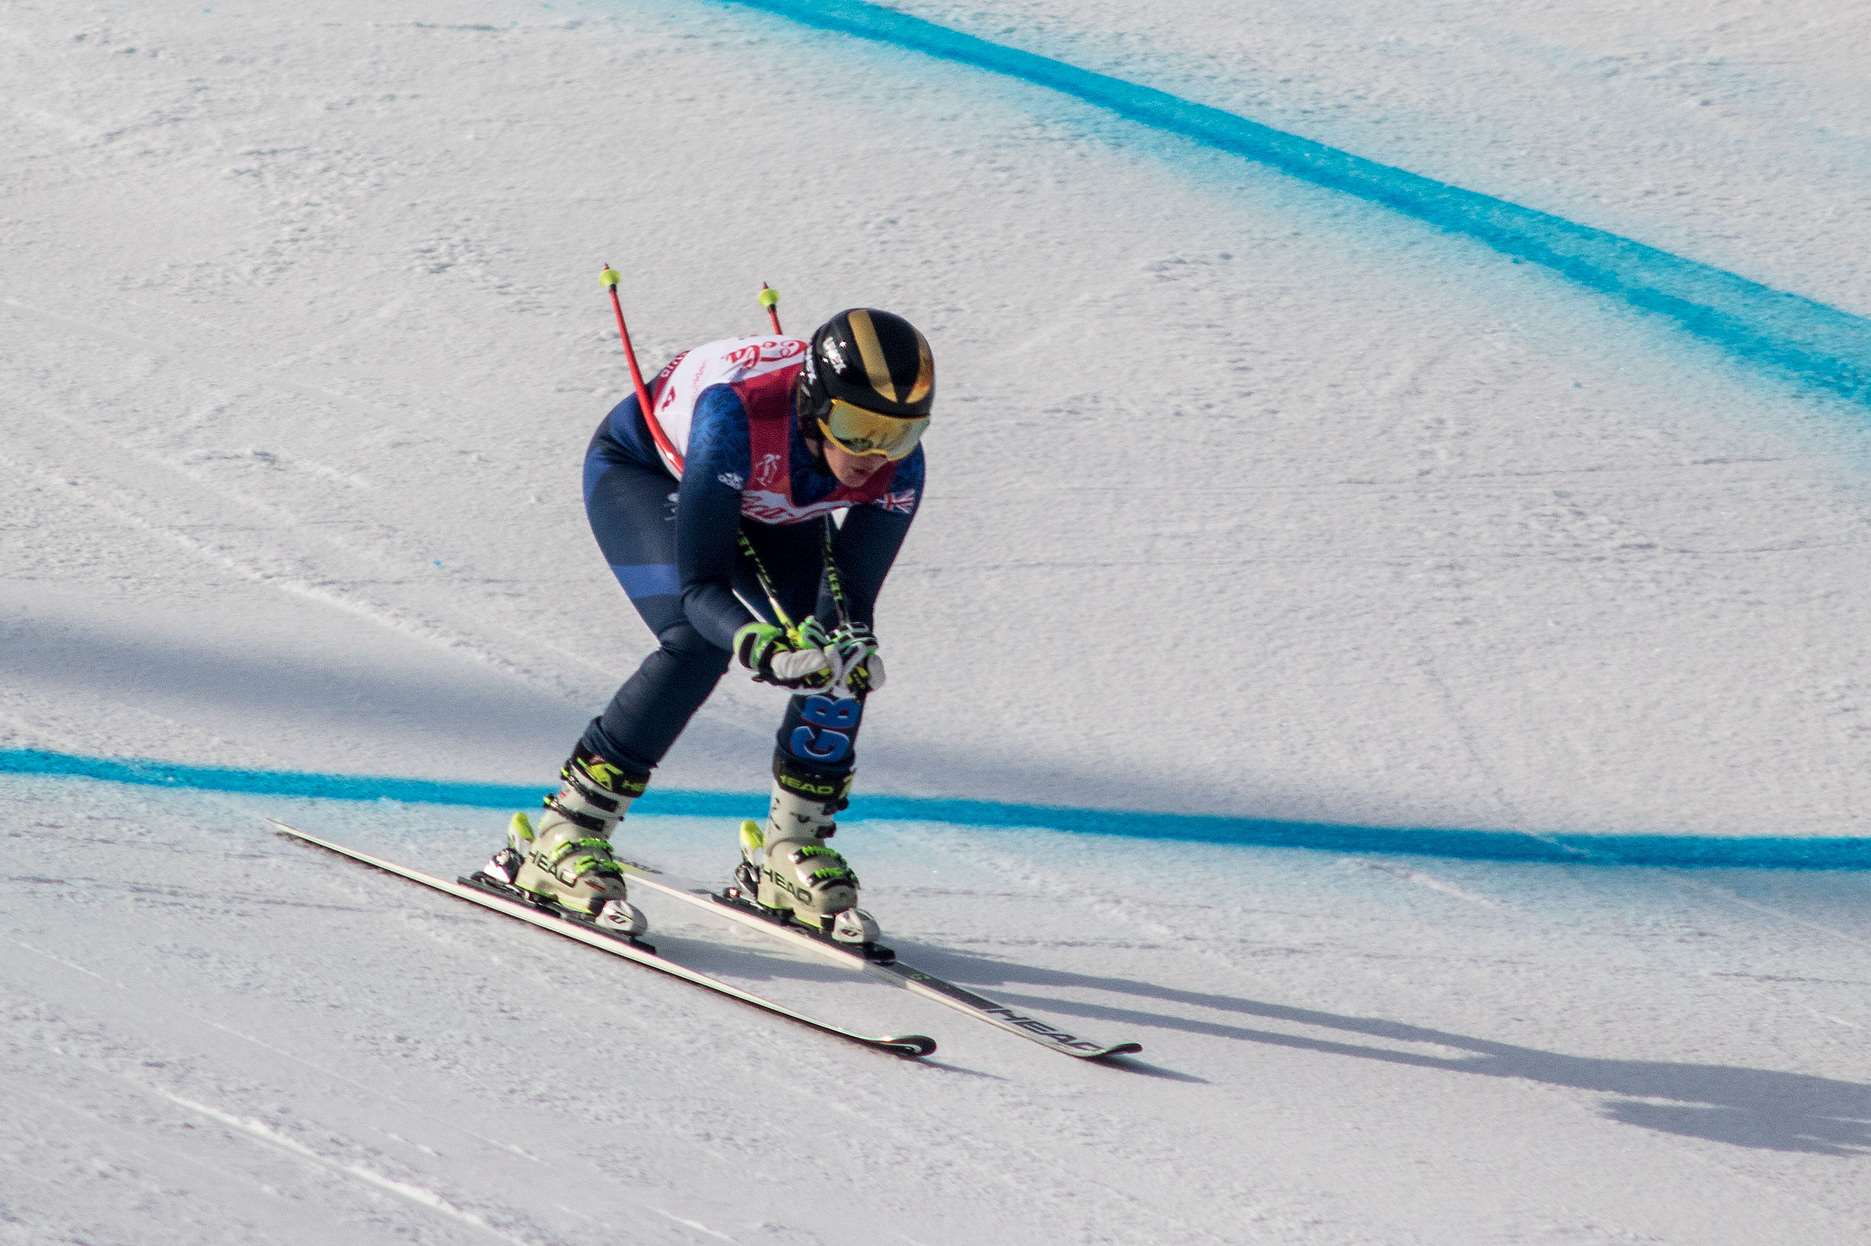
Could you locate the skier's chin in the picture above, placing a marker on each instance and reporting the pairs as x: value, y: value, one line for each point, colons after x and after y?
x: 851, y: 470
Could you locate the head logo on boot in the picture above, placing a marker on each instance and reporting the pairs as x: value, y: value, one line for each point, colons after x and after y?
x: 799, y: 784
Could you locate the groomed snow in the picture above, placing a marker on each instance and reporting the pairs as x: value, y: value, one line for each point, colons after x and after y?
x: 1246, y: 497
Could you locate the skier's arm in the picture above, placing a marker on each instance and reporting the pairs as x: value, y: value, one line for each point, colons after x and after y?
x: 708, y: 516
x: 870, y: 537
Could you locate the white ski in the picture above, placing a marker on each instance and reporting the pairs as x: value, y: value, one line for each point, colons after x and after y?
x: 882, y: 963
x: 607, y: 941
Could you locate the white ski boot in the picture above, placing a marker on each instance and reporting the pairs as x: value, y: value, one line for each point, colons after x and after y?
x: 786, y: 866
x: 566, y: 860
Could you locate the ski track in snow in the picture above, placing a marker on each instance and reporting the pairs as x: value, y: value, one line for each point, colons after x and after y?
x: 242, y: 532
x: 428, y: 1199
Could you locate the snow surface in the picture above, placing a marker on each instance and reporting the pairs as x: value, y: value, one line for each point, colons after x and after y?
x: 1358, y: 522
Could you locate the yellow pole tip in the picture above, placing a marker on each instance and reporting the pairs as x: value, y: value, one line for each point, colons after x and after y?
x: 769, y: 297
x: 610, y: 276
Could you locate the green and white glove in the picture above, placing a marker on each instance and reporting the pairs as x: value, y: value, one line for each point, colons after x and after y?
x: 858, y: 666
x: 799, y: 659
x: 808, y: 659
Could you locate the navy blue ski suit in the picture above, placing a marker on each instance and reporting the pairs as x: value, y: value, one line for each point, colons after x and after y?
x: 674, y: 549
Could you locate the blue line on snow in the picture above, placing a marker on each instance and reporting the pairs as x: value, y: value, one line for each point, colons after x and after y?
x: 1815, y: 343
x: 1756, y: 852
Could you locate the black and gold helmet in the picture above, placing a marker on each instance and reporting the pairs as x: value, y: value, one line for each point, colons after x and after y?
x: 868, y: 383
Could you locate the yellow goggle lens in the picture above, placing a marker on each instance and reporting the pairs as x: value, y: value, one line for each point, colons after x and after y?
x: 861, y: 432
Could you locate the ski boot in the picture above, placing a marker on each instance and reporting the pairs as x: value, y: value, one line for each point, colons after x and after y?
x: 565, y: 861
x: 787, y: 868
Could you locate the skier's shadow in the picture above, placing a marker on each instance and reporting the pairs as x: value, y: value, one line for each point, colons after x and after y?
x: 1747, y: 1107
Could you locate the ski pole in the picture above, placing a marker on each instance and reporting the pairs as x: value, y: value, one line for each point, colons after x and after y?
x: 610, y: 276
x: 834, y: 583
x: 766, y: 586
x: 843, y: 666
x: 770, y: 299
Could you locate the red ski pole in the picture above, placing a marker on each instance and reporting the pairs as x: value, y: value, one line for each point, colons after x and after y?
x: 611, y: 277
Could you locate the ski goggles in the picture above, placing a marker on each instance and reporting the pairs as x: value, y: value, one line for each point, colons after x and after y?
x: 865, y: 433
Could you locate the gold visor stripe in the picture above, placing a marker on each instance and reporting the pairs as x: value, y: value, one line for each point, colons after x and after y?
x: 925, y: 375
x: 871, y: 351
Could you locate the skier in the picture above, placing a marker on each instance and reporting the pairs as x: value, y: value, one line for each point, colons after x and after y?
x: 722, y: 495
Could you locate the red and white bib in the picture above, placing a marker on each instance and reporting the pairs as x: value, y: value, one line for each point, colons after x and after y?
x: 761, y: 371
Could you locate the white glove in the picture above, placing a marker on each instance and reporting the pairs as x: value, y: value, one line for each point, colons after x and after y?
x: 857, y: 664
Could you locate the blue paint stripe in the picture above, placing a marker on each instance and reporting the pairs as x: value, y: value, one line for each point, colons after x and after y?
x: 1755, y: 852
x: 1806, y: 340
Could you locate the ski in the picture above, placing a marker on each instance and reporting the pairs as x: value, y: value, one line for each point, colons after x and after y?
x: 880, y: 962
x: 505, y: 901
